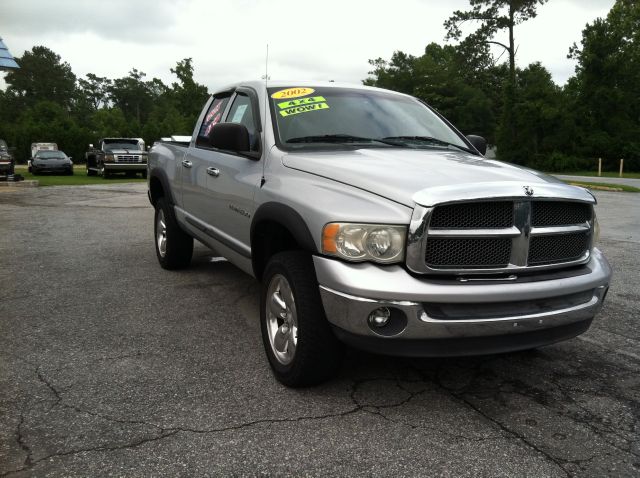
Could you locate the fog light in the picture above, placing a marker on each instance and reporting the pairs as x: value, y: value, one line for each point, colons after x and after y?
x: 380, y: 317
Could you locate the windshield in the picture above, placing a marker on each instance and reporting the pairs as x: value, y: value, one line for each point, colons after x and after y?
x: 121, y: 144
x: 3, y: 145
x: 50, y: 155
x: 341, y: 117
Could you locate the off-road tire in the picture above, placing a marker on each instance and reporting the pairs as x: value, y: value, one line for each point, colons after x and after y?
x: 318, y: 353
x: 179, y: 245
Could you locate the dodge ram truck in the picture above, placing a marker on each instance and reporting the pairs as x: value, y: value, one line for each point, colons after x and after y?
x: 370, y: 220
x: 117, y: 155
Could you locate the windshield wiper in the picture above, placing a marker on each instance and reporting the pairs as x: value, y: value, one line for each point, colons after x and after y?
x: 338, y: 138
x: 427, y: 139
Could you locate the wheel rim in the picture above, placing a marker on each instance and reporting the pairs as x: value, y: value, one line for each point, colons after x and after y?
x: 161, y: 234
x: 282, y: 319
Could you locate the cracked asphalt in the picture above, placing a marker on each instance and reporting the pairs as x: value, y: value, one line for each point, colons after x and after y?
x: 111, y: 366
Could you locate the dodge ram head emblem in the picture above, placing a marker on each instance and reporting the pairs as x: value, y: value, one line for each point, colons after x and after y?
x: 527, y: 190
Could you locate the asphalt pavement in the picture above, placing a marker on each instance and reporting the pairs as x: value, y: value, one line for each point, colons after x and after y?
x: 112, y: 366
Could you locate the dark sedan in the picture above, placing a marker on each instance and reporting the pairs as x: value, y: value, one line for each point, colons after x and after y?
x: 51, y: 162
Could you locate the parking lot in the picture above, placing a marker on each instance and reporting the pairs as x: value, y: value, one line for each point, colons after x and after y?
x: 110, y: 365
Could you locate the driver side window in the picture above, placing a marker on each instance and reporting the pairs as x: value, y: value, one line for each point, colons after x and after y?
x: 241, y: 112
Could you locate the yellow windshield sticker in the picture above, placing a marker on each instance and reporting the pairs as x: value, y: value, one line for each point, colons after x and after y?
x: 301, y: 101
x: 292, y: 93
x: 304, y: 109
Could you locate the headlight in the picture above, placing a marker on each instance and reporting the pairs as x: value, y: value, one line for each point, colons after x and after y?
x: 108, y: 157
x: 364, y: 242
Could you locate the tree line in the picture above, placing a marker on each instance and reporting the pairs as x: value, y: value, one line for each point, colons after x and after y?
x: 530, y: 119
x: 45, y: 102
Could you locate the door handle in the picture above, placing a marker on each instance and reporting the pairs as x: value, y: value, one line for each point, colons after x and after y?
x: 213, y: 172
x: 187, y: 164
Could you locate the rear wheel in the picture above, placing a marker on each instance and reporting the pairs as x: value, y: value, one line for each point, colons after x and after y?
x: 174, y: 247
x: 301, y: 348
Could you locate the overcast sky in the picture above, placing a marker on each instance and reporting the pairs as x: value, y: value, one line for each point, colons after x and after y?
x: 328, y: 39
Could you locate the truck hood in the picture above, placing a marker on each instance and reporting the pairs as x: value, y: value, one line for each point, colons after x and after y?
x: 400, y: 174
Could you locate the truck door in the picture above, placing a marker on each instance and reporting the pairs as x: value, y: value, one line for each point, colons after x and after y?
x: 193, y: 164
x: 223, y: 199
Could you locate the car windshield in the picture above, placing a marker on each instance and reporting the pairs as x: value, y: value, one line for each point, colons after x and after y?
x: 50, y: 155
x: 121, y: 144
x: 333, y: 117
x: 3, y: 145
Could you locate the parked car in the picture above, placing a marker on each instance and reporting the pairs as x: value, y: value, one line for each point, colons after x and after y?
x: 51, y: 162
x: 117, y: 155
x: 35, y: 147
x: 7, y: 163
x: 370, y: 220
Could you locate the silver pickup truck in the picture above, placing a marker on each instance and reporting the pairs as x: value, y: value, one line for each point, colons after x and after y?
x: 371, y: 221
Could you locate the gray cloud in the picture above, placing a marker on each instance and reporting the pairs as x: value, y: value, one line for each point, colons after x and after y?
x: 136, y: 21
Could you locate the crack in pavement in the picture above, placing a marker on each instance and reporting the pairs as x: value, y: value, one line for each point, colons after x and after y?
x: 358, y: 406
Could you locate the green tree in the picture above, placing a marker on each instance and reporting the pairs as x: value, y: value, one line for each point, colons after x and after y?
x: 606, y: 87
x: 189, y: 95
x: 95, y: 90
x: 492, y: 17
x: 134, y: 96
x: 441, y: 77
x: 42, y: 76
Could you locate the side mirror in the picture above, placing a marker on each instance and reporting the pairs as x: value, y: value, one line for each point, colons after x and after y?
x: 230, y: 137
x: 478, y: 142
x: 70, y: 158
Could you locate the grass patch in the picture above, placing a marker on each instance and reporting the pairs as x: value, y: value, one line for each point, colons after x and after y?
x: 79, y: 177
x: 605, y: 186
x: 604, y: 174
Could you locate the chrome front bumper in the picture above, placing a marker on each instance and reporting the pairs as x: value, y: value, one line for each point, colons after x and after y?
x: 350, y: 292
x: 125, y: 166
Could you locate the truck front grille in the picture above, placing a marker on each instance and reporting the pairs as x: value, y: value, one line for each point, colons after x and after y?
x: 556, y: 213
x: 478, y: 215
x: 558, y: 248
x: 504, y: 235
x: 128, y: 158
x: 468, y: 253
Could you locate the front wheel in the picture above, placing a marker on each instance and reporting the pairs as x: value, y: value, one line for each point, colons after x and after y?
x: 174, y: 247
x: 301, y: 348
x: 102, y: 171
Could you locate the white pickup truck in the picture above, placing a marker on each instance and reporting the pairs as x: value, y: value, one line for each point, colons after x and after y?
x: 371, y: 221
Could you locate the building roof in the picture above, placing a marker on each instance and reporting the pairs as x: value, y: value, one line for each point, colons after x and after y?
x: 6, y: 60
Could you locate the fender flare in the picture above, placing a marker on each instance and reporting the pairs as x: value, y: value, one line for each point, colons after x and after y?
x: 288, y: 218
x: 161, y: 176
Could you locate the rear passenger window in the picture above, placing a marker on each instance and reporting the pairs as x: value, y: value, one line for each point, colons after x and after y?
x: 242, y: 113
x: 213, y: 116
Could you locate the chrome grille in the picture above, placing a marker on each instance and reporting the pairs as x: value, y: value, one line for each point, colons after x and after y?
x: 475, y: 215
x: 128, y: 158
x: 500, y: 236
x: 558, y: 248
x: 557, y: 213
x: 471, y: 253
